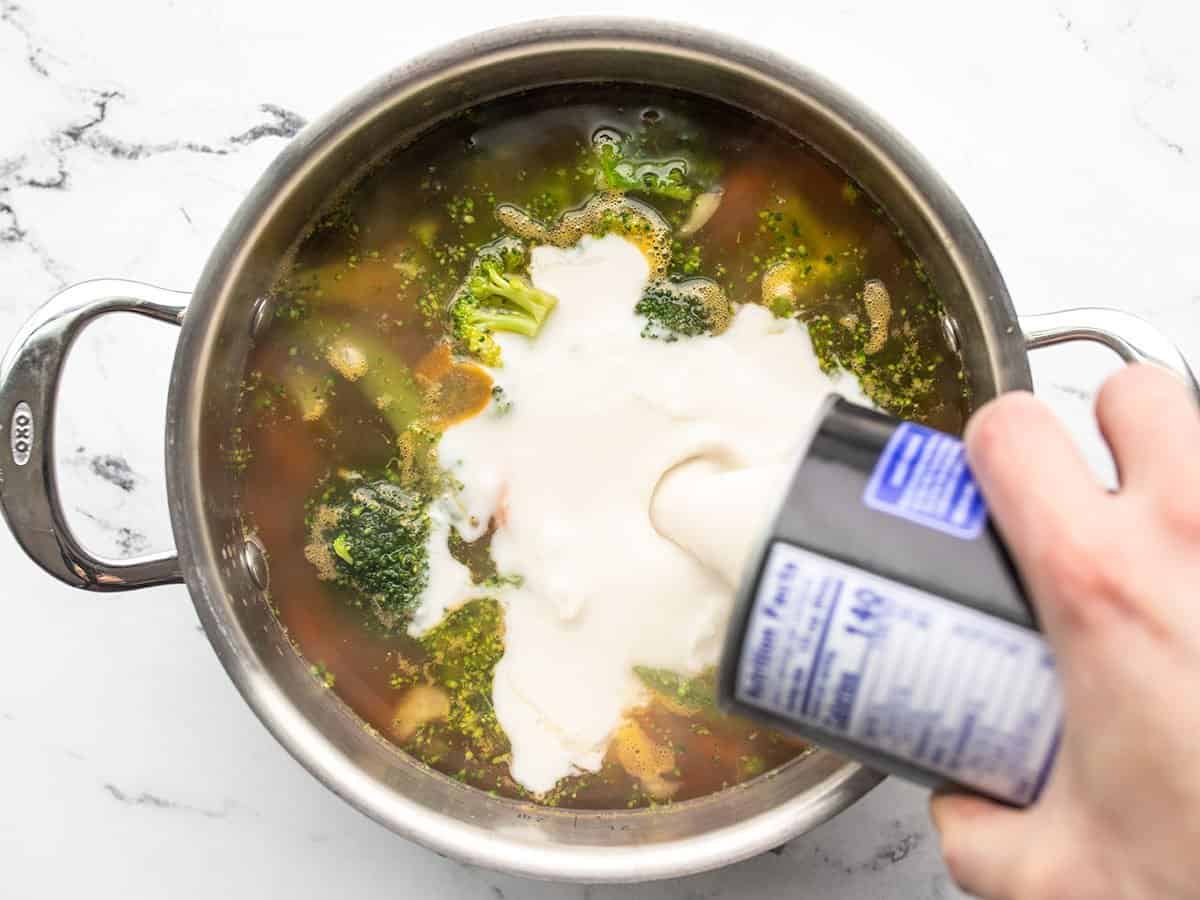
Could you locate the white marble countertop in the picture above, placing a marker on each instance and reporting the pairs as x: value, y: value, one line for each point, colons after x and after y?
x: 130, y: 130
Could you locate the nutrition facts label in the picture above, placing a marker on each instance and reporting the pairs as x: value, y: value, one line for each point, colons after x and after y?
x: 935, y: 683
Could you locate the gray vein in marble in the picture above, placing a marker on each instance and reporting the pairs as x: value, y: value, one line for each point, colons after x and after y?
x: 909, y: 836
x: 85, y: 133
x: 1158, y: 75
x: 281, y: 123
x: 12, y: 232
x: 113, y: 469
x: 1174, y: 146
x: 129, y: 541
x: 1068, y: 25
x: 12, y: 15
x: 155, y: 802
x: 56, y: 182
x: 82, y: 134
x: 894, y: 851
x: 99, y: 114
x: 286, y: 124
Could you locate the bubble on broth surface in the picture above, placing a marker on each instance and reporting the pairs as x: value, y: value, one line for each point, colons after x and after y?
x: 606, y: 135
x: 605, y: 212
x: 347, y: 360
x: 777, y: 287
x: 646, y: 760
x: 879, y: 310
x: 317, y: 551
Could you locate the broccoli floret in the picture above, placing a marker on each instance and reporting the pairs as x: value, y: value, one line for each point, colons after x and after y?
x: 683, y: 309
x: 372, y: 537
x: 493, y: 282
x: 496, y: 297
x: 617, y: 171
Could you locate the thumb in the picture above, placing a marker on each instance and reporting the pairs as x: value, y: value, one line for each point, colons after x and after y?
x: 983, y: 842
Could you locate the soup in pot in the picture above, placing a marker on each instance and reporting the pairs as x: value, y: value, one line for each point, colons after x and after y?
x: 484, y: 356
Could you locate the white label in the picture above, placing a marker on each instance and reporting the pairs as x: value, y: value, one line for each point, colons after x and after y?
x: 879, y: 663
x: 21, y: 433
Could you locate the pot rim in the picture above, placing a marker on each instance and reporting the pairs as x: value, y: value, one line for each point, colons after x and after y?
x: 200, y: 555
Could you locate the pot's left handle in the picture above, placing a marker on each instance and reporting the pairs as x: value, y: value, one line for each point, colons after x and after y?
x: 29, y: 376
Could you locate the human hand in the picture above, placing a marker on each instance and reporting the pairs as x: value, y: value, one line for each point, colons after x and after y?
x: 1115, y: 580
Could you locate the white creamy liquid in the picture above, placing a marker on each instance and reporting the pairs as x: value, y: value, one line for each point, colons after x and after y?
x: 599, y: 415
x: 718, y: 514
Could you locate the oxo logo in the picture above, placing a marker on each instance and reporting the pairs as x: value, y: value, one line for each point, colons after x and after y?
x: 21, y: 434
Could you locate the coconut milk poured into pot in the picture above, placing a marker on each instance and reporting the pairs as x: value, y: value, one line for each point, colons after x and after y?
x: 603, y: 592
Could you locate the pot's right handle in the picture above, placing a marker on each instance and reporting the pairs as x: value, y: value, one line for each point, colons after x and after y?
x: 1132, y: 338
x: 29, y: 376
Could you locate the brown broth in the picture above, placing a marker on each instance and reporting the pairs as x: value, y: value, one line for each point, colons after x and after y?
x: 358, y: 268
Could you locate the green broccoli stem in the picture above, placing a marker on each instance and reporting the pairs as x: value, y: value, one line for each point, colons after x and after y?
x: 521, y: 293
x: 506, y: 320
x: 388, y: 382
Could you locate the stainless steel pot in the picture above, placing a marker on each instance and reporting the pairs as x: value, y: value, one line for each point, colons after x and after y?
x: 227, y: 573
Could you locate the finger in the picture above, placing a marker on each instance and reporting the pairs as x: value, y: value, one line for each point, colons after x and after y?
x: 983, y: 842
x: 1151, y: 422
x: 1031, y: 472
x: 1039, y: 490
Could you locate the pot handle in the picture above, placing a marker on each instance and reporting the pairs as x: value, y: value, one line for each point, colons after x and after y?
x: 29, y: 376
x: 1129, y: 336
